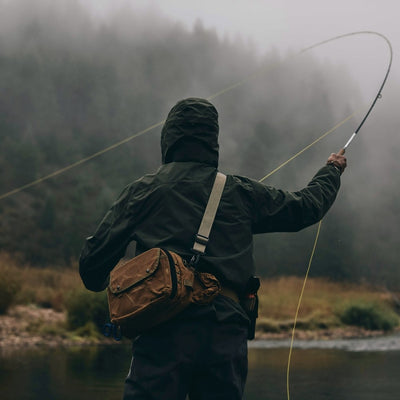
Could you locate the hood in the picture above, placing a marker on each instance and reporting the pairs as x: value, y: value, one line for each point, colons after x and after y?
x: 190, y: 132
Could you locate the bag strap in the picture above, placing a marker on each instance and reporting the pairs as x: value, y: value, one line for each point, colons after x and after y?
x: 203, y: 234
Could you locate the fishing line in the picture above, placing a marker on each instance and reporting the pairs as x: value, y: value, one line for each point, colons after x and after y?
x: 298, y: 308
x: 308, y: 146
x: 83, y: 160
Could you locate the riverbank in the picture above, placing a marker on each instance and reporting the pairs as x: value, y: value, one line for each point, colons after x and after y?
x: 50, y: 307
x: 31, y: 326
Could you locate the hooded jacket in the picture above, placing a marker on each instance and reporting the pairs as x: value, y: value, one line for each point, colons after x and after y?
x: 165, y: 209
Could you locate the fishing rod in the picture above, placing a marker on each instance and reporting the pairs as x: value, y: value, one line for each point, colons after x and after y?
x: 379, y: 94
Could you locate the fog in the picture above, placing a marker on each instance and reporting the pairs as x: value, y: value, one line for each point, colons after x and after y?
x: 76, y: 77
x: 287, y: 25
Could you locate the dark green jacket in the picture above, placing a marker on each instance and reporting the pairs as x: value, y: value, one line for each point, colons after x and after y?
x: 165, y: 209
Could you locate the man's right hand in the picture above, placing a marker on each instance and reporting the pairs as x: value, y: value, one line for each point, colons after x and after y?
x: 338, y: 160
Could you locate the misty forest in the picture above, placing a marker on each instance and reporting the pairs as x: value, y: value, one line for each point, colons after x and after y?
x: 71, y: 86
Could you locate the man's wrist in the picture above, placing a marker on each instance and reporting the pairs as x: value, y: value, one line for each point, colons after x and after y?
x: 335, y: 165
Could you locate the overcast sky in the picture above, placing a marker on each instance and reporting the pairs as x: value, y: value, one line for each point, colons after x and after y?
x: 279, y: 22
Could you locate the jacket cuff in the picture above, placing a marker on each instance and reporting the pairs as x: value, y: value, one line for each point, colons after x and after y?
x: 335, y: 166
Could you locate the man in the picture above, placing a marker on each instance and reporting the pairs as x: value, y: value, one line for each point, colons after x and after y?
x: 203, y: 351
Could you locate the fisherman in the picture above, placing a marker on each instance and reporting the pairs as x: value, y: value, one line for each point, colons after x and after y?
x: 202, y: 352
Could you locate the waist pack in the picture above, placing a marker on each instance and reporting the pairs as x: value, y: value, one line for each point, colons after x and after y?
x: 158, y: 284
x: 152, y: 288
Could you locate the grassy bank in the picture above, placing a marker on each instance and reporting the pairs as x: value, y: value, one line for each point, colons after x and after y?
x: 44, y: 287
x: 79, y: 313
x: 325, y: 305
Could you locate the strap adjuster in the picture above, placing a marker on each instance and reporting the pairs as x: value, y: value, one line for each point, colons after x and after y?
x: 201, y: 239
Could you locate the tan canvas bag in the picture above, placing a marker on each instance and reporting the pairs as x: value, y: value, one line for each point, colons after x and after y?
x: 158, y: 284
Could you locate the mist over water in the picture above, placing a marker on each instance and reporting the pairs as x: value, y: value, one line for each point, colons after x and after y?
x: 72, y: 83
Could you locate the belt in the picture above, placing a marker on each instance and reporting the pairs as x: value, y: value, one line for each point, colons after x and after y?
x: 229, y: 293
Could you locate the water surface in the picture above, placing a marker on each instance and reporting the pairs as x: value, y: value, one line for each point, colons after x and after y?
x: 366, y: 369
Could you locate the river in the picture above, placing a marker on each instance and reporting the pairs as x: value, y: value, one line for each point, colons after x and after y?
x: 366, y: 369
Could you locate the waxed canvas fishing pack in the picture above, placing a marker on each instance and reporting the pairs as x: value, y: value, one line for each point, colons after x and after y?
x: 152, y: 288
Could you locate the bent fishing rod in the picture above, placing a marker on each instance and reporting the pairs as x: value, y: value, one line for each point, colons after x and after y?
x: 379, y: 94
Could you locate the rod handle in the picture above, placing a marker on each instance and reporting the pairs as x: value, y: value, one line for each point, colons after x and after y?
x: 341, y: 152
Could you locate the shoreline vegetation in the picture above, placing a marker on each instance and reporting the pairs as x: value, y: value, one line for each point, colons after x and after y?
x: 50, y: 307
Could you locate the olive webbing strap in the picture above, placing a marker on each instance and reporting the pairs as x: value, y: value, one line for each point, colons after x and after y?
x: 203, y: 234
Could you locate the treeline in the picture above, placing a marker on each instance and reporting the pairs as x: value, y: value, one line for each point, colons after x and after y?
x: 71, y: 86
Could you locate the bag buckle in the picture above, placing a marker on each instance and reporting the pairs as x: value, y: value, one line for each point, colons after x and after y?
x: 194, y: 260
x: 112, y: 330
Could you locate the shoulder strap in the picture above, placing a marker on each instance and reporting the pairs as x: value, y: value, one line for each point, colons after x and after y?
x: 203, y: 234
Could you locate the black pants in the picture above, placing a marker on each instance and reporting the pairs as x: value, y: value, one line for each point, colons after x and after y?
x: 203, y: 358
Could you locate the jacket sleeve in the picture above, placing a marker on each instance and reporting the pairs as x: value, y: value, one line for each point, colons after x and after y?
x: 282, y: 211
x: 104, y: 249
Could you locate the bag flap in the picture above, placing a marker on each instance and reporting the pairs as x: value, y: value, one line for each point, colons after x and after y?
x: 129, y: 273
